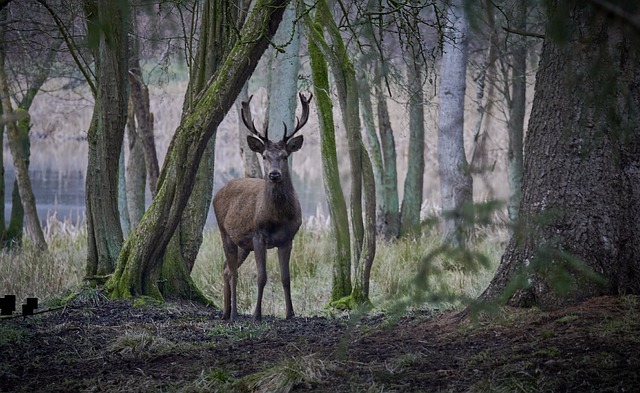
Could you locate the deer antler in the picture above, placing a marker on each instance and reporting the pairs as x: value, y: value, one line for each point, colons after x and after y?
x: 248, y: 122
x: 300, y: 122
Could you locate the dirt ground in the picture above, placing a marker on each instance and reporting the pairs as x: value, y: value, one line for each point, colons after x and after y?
x: 97, y: 345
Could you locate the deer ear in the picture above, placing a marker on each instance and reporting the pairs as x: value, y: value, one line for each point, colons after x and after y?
x: 255, y: 144
x: 295, y: 144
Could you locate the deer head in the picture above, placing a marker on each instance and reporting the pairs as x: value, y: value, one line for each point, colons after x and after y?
x: 276, y: 154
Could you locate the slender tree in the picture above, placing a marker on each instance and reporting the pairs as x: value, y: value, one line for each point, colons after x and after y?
x: 363, y: 228
x: 456, y: 185
x: 17, y: 127
x: 578, y: 232
x: 341, y: 283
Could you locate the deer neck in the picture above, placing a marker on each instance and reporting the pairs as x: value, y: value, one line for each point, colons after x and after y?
x: 281, y: 197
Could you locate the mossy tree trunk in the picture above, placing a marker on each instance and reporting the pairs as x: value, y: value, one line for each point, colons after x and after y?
x: 341, y: 284
x: 107, y: 32
x: 140, y: 261
x: 217, y: 36
x: 578, y: 233
x: 362, y: 237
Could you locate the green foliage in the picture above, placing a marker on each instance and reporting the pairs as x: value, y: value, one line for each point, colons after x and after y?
x: 11, y: 335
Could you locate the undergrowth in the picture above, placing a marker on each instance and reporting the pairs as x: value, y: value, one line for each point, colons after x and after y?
x: 27, y: 272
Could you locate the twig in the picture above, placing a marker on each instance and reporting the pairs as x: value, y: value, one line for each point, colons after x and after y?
x: 35, y: 313
x: 522, y: 32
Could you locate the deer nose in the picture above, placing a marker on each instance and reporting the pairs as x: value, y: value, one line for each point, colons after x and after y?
x: 275, y: 176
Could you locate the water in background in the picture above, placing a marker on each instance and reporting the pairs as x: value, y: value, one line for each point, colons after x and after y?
x: 62, y: 193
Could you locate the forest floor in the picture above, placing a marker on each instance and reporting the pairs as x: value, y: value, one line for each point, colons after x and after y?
x: 100, y: 345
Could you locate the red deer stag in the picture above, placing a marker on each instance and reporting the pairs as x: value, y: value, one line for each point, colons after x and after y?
x: 258, y: 214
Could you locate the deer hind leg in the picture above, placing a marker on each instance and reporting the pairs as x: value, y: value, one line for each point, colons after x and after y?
x: 284, y: 254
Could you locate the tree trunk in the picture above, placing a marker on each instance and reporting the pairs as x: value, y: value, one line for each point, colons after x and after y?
x: 143, y: 128
x: 390, y: 207
x: 362, y: 238
x: 456, y: 184
x: 216, y: 40
x: 413, y: 183
x: 341, y: 283
x: 578, y: 233
x: 136, y: 170
x: 138, y: 267
x: 13, y: 236
x: 371, y: 134
x: 108, y: 25
x: 123, y: 207
x: 283, y: 77
x: 517, y: 107
x: 20, y: 159
x: 250, y: 161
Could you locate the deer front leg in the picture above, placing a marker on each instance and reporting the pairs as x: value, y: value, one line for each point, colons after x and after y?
x: 230, y: 279
x: 260, y: 252
x: 284, y: 254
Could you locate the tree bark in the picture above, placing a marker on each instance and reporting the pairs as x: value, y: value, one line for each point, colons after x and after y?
x: 139, y: 263
x: 456, y: 184
x: 578, y: 234
x: 107, y: 25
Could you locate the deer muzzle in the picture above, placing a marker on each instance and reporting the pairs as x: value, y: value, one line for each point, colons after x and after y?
x: 275, y: 176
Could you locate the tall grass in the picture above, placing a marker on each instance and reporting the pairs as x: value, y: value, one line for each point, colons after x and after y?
x: 28, y: 272
x: 393, y: 276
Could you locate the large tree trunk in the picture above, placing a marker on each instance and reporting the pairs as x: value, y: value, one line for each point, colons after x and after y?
x: 341, y: 283
x: 580, y: 209
x: 138, y: 267
x: 456, y: 184
x: 108, y: 23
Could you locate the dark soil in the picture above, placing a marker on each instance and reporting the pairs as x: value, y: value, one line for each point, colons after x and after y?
x: 100, y: 345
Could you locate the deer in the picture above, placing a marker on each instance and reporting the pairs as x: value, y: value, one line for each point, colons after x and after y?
x: 260, y: 214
